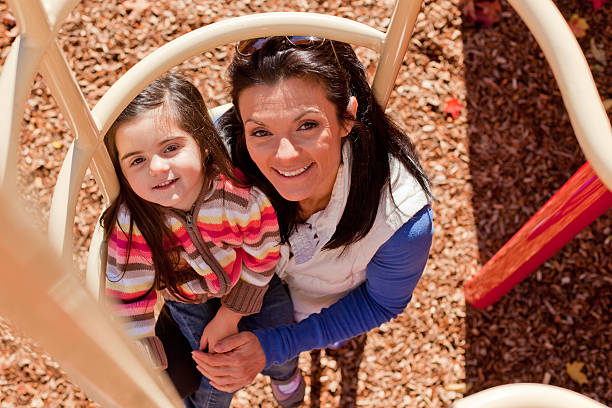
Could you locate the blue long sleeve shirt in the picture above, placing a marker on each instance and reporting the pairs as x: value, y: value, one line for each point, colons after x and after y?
x: 391, y: 277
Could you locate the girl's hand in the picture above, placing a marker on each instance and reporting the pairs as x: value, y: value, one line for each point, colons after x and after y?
x: 239, y: 361
x: 225, y: 323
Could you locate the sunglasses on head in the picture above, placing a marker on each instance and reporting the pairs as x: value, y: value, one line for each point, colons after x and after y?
x: 248, y: 47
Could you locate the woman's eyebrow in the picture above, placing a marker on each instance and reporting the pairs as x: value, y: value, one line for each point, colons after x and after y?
x: 254, y: 121
x: 306, y: 112
x: 298, y: 117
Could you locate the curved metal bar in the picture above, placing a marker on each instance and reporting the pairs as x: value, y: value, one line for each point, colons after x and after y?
x: 161, y: 60
x: 527, y: 396
x: 583, y: 103
x: 221, y: 33
x: 394, y: 48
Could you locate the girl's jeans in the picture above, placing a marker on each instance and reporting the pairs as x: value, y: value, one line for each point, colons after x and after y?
x: 276, y: 310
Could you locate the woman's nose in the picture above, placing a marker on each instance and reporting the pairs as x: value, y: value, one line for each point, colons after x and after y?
x: 286, y: 149
x: 158, y: 164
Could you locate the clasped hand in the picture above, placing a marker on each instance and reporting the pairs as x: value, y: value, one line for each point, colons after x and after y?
x: 235, y: 362
x: 233, y: 359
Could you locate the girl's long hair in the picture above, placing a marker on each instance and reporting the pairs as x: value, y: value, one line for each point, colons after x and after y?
x: 374, y: 138
x: 184, y: 106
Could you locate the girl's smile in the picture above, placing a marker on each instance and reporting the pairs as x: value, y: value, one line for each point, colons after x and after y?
x: 161, y: 161
x: 165, y: 184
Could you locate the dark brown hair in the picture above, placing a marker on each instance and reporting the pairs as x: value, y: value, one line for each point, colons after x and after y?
x: 182, y: 103
x: 374, y: 138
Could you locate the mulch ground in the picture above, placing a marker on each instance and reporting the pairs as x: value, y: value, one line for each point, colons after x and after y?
x: 493, y: 166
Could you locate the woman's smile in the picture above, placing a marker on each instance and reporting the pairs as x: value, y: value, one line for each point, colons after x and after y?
x: 294, y: 172
x: 294, y: 136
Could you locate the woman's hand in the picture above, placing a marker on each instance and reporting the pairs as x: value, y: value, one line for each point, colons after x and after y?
x: 225, y: 323
x: 240, y: 358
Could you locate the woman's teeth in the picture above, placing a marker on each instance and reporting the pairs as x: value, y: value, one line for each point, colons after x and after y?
x: 294, y: 172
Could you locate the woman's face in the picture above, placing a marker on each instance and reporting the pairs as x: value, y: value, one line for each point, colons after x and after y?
x: 294, y: 136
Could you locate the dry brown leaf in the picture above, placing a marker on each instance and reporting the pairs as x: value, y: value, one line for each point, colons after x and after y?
x: 578, y: 25
x: 574, y: 370
x: 598, y: 53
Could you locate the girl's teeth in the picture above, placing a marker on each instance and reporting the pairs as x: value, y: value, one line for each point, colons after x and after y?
x: 165, y: 183
x: 295, y: 172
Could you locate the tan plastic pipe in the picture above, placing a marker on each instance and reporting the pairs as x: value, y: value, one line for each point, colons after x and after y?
x: 16, y: 80
x: 586, y: 112
x: 527, y: 396
x: 394, y: 48
x: 63, y: 317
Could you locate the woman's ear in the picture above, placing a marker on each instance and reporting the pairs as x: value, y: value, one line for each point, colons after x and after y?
x: 351, y: 109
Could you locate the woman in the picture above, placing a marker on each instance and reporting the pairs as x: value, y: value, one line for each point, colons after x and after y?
x: 350, y: 194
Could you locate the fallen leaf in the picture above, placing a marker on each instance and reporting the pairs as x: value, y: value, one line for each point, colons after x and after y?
x: 461, y: 388
x: 485, y: 12
x: 57, y: 144
x: 598, y: 53
x: 607, y: 103
x: 575, y: 373
x: 578, y: 25
x: 136, y: 7
x: 597, y: 4
x: 452, y: 107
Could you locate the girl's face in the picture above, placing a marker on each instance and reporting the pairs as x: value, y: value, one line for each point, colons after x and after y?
x: 161, y: 162
x: 293, y: 135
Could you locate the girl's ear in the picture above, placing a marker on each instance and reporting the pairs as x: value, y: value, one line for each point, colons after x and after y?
x: 351, y: 108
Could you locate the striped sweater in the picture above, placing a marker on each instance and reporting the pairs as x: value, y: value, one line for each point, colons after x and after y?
x: 239, y: 227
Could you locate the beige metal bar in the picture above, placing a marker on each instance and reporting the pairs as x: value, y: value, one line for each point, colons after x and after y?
x: 527, y: 396
x: 67, y: 322
x: 95, y: 275
x: 394, y: 48
x: 32, y: 20
x: 211, y: 36
x: 15, y: 83
x: 16, y: 80
x: 65, y: 90
x: 72, y: 103
x: 65, y: 196
x: 221, y: 33
x: 571, y: 70
x: 57, y: 11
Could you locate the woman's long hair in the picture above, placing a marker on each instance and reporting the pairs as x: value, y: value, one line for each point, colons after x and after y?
x: 181, y: 103
x: 374, y: 138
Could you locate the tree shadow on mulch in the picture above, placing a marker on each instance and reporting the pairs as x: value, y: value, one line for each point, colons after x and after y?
x: 348, y: 357
x: 522, y: 150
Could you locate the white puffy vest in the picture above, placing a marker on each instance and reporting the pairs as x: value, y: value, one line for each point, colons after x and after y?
x: 316, y: 278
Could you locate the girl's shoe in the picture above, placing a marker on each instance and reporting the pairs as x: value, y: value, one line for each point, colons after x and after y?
x: 289, y: 393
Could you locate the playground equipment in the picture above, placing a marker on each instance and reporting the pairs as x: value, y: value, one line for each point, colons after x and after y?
x: 587, y: 195
x: 527, y: 395
x: 87, y: 325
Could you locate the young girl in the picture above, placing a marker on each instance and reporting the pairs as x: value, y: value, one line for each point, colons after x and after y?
x: 183, y: 225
